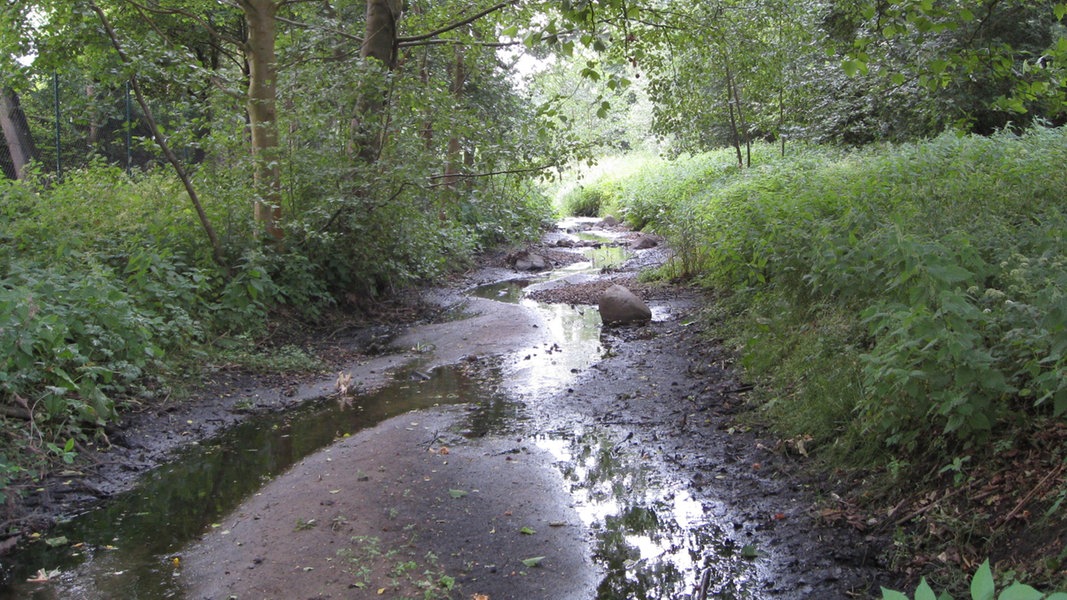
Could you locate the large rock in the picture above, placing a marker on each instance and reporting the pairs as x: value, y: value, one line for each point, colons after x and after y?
x: 619, y: 305
x: 528, y: 261
x: 645, y: 241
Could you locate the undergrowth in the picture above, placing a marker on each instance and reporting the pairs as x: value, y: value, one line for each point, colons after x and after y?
x: 904, y: 309
x: 108, y: 290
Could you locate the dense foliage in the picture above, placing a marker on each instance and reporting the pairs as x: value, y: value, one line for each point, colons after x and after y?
x: 930, y: 274
x: 108, y: 283
x: 902, y: 308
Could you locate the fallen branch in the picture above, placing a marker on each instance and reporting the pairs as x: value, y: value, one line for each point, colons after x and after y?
x: 1026, y: 499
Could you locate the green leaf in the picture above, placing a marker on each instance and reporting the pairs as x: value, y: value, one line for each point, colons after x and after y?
x: 892, y: 595
x: 1019, y: 591
x: 57, y: 541
x: 510, y: 31
x: 447, y: 582
x: 457, y: 493
x: 948, y: 273
x: 982, y: 586
x: 533, y: 561
x: 749, y: 551
x: 527, y: 531
x: 855, y: 65
x: 1060, y: 10
x: 924, y: 591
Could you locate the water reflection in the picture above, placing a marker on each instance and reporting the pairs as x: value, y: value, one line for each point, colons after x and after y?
x: 653, y: 538
x: 123, y: 549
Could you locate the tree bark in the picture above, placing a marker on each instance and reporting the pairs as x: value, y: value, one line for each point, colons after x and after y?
x: 733, y: 118
x: 379, y: 43
x: 379, y: 40
x: 16, y: 132
x: 452, y: 158
x: 263, y: 112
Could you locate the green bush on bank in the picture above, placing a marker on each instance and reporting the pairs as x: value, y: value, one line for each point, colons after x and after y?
x: 911, y: 296
x: 902, y: 307
x: 107, y: 284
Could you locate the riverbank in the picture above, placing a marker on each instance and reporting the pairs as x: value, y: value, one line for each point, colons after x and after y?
x: 608, y: 460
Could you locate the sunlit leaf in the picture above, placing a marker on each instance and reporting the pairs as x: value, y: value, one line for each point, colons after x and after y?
x: 982, y: 586
x: 1019, y: 591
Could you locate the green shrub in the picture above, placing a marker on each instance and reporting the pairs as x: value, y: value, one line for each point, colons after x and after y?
x: 983, y: 587
x: 69, y: 343
x: 947, y: 254
x: 584, y: 201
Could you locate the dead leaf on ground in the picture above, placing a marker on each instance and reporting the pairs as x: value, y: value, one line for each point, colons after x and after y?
x: 43, y: 575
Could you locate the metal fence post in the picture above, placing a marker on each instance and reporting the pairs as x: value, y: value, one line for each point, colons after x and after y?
x: 129, y: 130
x: 59, y: 160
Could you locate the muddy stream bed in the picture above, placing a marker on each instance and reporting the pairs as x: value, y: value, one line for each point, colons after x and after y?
x: 512, y: 449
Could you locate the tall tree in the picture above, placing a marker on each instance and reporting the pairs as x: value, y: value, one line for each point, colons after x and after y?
x: 16, y: 132
x: 261, y: 16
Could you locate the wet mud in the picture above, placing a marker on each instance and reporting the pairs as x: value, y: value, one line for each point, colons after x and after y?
x: 512, y: 449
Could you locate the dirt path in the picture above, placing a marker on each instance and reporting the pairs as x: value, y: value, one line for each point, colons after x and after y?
x: 606, y: 465
x: 399, y: 511
x: 628, y: 481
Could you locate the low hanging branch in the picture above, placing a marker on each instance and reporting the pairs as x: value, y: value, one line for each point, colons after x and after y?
x: 408, y: 41
x: 216, y: 247
x: 436, y: 183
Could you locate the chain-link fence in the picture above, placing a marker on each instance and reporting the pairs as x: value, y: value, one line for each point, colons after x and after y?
x: 67, y: 121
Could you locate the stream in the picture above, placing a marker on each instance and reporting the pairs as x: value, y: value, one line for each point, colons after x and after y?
x: 650, y: 537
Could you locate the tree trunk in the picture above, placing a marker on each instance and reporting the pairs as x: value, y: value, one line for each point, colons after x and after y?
x: 380, y: 43
x: 733, y: 118
x: 262, y: 111
x: 452, y: 159
x: 424, y: 77
x: 744, y: 125
x: 16, y: 132
x: 379, y: 40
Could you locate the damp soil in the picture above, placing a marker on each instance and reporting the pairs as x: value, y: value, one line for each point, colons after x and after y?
x: 510, y: 447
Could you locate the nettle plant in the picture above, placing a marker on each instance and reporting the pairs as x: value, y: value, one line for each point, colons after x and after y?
x: 983, y: 587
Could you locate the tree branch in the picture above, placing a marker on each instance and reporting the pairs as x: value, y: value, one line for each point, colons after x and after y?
x: 150, y: 120
x: 183, y: 13
x: 487, y: 174
x: 305, y: 26
x: 458, y: 43
x: 457, y: 25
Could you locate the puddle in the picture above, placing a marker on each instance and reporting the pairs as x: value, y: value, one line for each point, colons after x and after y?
x: 574, y: 334
x: 605, y: 257
x: 122, y: 550
x: 506, y: 291
x: 652, y: 538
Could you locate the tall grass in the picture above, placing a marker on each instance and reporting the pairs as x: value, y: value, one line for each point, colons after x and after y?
x: 107, y: 284
x: 908, y: 299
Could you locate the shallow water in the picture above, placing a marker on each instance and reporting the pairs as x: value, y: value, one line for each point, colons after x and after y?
x: 651, y: 538
x: 125, y: 548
